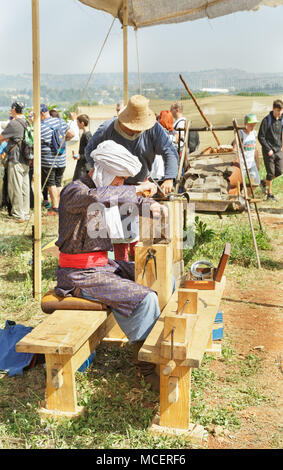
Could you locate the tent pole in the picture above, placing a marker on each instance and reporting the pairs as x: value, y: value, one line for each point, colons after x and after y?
x: 37, y: 149
x: 125, y: 50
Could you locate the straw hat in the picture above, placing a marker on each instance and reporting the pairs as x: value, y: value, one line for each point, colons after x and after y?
x: 137, y: 115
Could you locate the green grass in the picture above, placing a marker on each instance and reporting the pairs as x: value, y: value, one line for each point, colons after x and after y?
x: 210, y: 240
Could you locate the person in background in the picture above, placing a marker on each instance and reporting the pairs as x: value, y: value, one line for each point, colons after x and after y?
x: 119, y: 106
x: 18, y: 166
x: 73, y: 126
x: 248, y: 138
x: 54, y: 113
x: 5, y: 202
x: 270, y: 137
x: 137, y: 130
x: 179, y: 123
x: 52, y: 163
x: 165, y: 118
x: 83, y: 123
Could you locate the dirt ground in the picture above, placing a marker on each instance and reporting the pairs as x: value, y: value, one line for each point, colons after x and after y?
x: 253, y: 320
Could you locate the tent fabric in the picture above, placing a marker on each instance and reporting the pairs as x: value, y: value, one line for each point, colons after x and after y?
x: 142, y: 13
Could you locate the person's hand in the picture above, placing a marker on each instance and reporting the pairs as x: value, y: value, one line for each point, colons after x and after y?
x: 147, y: 188
x: 270, y: 153
x: 158, y: 210
x: 167, y: 186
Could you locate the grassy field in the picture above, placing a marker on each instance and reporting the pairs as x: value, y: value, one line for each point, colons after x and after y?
x: 236, y: 398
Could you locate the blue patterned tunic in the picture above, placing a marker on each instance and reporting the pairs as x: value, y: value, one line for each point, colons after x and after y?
x: 79, y: 217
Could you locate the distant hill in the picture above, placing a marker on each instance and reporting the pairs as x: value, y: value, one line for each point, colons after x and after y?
x: 217, y: 78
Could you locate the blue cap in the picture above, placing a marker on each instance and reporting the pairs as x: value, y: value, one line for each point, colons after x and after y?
x: 43, y: 108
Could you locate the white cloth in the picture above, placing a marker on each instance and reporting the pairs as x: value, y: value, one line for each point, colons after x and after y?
x: 110, y: 160
x: 73, y: 126
x: 157, y: 169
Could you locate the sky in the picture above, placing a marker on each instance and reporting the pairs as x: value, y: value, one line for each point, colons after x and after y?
x: 71, y: 36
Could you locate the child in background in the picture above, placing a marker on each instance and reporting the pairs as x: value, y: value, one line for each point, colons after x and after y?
x: 80, y: 170
x: 248, y: 137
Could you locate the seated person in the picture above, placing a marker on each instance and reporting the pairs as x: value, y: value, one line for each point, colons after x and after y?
x: 88, y: 213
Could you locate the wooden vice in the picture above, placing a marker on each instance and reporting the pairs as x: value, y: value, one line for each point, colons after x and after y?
x: 183, y: 332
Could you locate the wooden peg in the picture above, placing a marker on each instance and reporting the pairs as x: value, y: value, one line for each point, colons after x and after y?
x: 168, y: 369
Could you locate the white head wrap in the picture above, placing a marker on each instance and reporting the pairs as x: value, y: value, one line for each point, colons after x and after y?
x: 110, y: 160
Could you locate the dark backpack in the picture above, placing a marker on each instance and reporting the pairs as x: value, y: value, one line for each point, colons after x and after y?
x: 26, y: 143
x: 58, y: 141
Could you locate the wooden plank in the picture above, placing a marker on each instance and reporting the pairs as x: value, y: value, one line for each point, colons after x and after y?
x: 204, y: 324
x: 151, y: 349
x: 91, y: 344
x: 37, y: 281
x: 115, y: 334
x: 178, y: 223
x: 199, y: 329
x: 222, y: 263
x: 190, y: 295
x: 195, y: 434
x: 63, y: 332
x: 175, y: 414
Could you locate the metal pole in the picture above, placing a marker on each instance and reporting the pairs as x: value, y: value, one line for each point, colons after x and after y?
x: 37, y: 150
x: 125, y: 49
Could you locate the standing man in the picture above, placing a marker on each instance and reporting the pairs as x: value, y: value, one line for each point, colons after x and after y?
x: 137, y: 130
x: 18, y: 166
x: 179, y: 123
x: 270, y: 137
x: 53, y: 162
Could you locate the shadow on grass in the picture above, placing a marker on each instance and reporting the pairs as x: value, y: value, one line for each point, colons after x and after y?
x: 115, y: 405
x: 270, y: 210
x: 15, y: 244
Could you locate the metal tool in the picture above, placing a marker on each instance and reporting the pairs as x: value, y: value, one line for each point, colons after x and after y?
x: 185, y: 304
x: 199, y: 275
x: 169, y: 197
x: 150, y: 255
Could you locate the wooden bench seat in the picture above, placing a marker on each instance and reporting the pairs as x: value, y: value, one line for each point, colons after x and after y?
x: 67, y: 338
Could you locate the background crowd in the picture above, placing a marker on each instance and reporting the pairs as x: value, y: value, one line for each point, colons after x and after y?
x: 158, y: 148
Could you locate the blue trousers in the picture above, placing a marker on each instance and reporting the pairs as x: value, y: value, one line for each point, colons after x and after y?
x: 138, y: 326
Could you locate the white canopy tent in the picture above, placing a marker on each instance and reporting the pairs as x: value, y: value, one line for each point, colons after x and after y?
x: 139, y: 14
x: 143, y: 13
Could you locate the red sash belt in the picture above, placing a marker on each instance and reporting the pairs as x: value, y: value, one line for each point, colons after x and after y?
x: 83, y: 260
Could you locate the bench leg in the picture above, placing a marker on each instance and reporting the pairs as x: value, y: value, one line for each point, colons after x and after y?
x: 175, y: 400
x: 60, y: 395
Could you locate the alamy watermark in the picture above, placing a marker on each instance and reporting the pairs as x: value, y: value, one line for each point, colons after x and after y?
x: 146, y: 221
